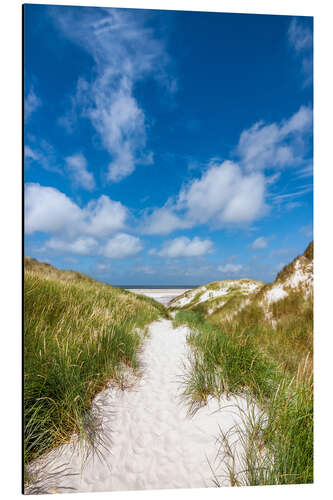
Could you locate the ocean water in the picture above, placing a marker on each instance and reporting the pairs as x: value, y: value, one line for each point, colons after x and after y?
x: 162, y: 294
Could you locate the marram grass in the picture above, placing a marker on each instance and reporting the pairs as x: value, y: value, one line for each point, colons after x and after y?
x: 273, y: 365
x: 78, y: 335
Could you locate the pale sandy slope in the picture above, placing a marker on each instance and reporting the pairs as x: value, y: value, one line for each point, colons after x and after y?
x: 152, y: 442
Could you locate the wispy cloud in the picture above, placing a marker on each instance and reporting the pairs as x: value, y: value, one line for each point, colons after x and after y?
x: 282, y: 251
x: 30, y: 154
x: 300, y: 35
x: 43, y: 154
x: 280, y: 198
x: 307, y: 230
x: 77, y: 167
x: 292, y: 205
x: 31, y: 104
x: 276, y: 145
x: 79, y: 99
x: 301, y: 40
x: 145, y: 269
x: 306, y: 171
x: 260, y: 243
x: 124, y: 51
x: 230, y: 268
x: 103, y: 266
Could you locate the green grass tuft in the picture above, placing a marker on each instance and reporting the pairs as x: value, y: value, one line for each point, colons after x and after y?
x: 78, y: 335
x: 271, y: 364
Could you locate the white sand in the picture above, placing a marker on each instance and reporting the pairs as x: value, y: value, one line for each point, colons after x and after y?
x: 302, y: 276
x: 184, y: 301
x: 246, y: 287
x: 277, y: 292
x: 161, y: 295
x: 213, y: 294
x: 151, y: 442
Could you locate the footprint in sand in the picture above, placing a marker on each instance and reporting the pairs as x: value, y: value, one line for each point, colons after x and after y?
x: 155, y: 444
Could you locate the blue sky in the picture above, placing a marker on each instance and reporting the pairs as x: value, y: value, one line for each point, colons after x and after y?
x: 167, y: 147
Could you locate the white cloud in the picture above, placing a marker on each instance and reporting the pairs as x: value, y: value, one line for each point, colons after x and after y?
x: 247, y: 201
x: 77, y: 167
x: 164, y: 221
x: 306, y: 171
x: 275, y: 145
x: 103, y: 267
x: 84, y: 245
x: 184, y: 247
x: 301, y: 40
x: 292, y: 205
x: 298, y: 123
x: 105, y: 216
x: 80, y: 99
x: 145, y: 269
x: 260, y: 243
x: 223, y: 195
x: 31, y: 103
x: 44, y: 154
x: 121, y: 245
x: 307, y: 230
x: 282, y: 251
x: 124, y: 51
x: 81, y: 231
x: 281, y: 198
x: 230, y: 268
x: 300, y: 36
x: 48, y: 210
x: 30, y: 153
x: 234, y: 193
x: 122, y: 166
x: 121, y: 124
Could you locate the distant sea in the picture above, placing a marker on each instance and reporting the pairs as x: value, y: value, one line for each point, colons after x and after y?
x: 156, y: 287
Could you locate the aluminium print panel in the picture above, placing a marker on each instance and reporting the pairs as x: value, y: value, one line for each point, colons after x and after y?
x: 168, y: 267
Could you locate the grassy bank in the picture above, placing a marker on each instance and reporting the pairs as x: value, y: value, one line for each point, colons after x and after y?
x: 247, y: 355
x: 284, y: 331
x: 78, y: 334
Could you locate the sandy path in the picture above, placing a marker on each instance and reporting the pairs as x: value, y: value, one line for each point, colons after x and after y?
x: 153, y: 442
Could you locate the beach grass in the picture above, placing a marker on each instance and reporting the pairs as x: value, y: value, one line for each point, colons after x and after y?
x: 78, y: 335
x: 273, y: 364
x: 224, y: 363
x: 284, y: 332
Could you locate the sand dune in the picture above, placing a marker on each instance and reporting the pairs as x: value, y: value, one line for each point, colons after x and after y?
x: 149, y: 441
